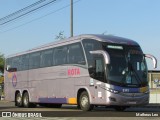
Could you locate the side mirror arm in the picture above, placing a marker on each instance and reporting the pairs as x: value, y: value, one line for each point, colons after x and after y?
x: 104, y: 53
x: 153, y: 59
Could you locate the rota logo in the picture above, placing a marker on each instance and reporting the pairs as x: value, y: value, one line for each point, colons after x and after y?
x: 73, y: 71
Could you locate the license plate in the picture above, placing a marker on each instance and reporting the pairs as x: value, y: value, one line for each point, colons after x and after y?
x: 132, y: 102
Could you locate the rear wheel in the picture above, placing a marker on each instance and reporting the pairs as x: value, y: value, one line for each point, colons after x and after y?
x: 84, y: 102
x: 26, y: 102
x: 18, y: 100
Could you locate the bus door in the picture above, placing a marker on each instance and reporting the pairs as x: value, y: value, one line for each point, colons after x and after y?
x: 99, y: 76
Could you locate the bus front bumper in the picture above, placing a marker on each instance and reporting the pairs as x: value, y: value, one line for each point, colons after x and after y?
x: 127, y: 99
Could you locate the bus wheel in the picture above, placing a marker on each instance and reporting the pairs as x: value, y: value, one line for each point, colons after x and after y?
x: 84, y: 102
x: 26, y: 102
x: 119, y: 108
x: 18, y: 100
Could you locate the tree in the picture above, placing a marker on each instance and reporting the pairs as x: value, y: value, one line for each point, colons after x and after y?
x: 60, y: 36
x: 2, y: 61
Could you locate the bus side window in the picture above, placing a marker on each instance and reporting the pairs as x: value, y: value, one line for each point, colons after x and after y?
x: 15, y: 63
x: 76, y: 55
x: 95, y: 62
x: 60, y: 55
x: 25, y: 62
x: 20, y: 63
x: 99, y: 72
x: 99, y: 66
x: 8, y: 63
x: 46, y: 58
x: 90, y: 45
x: 34, y: 60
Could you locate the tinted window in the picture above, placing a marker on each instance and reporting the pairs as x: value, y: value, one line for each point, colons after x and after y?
x: 20, y: 62
x: 24, y: 62
x: 91, y: 45
x: 47, y: 58
x: 8, y: 62
x: 99, y: 72
x: 95, y: 62
x: 15, y: 63
x: 34, y: 60
x: 60, y: 55
x: 76, y: 55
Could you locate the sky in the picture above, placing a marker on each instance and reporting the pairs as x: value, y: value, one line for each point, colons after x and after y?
x: 138, y: 20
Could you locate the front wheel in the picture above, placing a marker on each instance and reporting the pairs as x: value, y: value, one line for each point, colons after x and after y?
x: 84, y: 102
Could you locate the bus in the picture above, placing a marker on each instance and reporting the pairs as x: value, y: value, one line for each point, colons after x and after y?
x: 87, y: 70
x: 1, y: 86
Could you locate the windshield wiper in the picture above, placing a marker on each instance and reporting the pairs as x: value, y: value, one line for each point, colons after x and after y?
x: 136, y: 75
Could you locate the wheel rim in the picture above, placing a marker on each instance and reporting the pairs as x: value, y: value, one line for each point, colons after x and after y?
x: 84, y: 101
x: 25, y: 100
x: 19, y: 98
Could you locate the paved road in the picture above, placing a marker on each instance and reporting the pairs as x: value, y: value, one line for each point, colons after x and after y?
x: 76, y: 114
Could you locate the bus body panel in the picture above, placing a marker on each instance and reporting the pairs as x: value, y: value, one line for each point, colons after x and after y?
x: 49, y: 82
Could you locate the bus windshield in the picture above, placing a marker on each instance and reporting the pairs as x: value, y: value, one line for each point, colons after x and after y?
x: 127, y: 66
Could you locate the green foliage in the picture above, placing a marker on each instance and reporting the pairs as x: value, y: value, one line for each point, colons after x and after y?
x: 2, y: 61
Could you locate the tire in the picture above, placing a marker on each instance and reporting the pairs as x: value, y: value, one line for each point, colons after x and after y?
x: 120, y: 108
x: 84, y: 102
x: 18, y: 100
x: 26, y: 102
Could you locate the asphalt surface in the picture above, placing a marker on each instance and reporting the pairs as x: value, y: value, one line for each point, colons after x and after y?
x: 70, y: 112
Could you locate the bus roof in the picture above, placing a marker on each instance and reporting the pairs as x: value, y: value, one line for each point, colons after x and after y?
x: 110, y: 39
x: 99, y: 37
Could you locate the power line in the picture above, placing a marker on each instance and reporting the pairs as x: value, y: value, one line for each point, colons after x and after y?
x: 40, y: 17
x: 21, y: 10
x: 23, y: 14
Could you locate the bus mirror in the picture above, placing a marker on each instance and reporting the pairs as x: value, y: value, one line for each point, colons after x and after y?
x: 153, y: 59
x: 11, y: 69
x: 104, y: 53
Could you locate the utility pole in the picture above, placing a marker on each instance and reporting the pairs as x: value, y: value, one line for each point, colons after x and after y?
x: 71, y: 18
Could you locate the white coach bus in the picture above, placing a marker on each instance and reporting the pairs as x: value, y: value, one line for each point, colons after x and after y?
x: 87, y: 71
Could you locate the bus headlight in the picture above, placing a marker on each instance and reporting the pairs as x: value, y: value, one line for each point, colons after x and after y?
x: 112, y: 90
